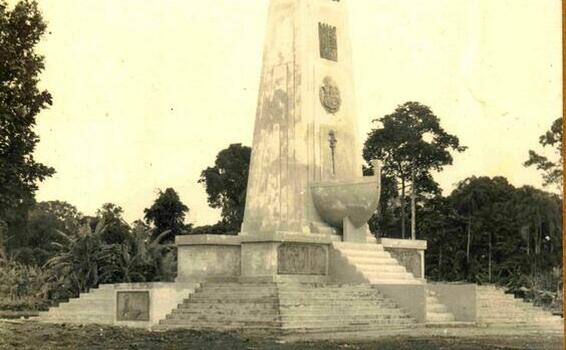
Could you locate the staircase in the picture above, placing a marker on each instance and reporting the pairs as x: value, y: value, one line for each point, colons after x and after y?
x: 287, y: 308
x: 311, y: 308
x: 436, y: 312
x: 228, y: 306
x: 374, y: 263
x: 96, y: 306
x: 497, y: 309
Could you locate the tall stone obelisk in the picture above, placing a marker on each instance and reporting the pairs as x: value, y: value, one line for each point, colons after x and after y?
x: 306, y: 123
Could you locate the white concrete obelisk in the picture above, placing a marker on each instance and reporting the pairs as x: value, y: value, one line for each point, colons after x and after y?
x: 305, y: 128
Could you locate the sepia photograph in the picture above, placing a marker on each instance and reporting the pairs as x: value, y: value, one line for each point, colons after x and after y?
x: 281, y: 174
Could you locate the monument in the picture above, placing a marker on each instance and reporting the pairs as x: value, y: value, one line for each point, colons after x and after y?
x: 305, y: 260
x: 305, y: 186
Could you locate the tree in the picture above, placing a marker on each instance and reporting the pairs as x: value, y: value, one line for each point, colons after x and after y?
x: 21, y: 29
x: 167, y: 214
x: 411, y: 143
x: 117, y: 230
x: 476, y: 199
x: 77, y: 265
x: 538, y: 214
x: 226, y: 183
x: 45, y: 218
x: 552, y: 171
x: 140, y: 259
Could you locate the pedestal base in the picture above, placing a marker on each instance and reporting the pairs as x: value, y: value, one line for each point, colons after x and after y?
x: 276, y: 256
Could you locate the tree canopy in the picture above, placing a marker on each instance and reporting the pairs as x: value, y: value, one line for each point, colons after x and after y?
x: 167, y: 214
x: 21, y: 29
x: 411, y: 144
x: 552, y: 170
x: 226, y: 183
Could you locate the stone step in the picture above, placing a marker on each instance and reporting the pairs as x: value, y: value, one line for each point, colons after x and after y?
x: 252, y: 292
x: 329, y: 292
x: 360, y: 324
x: 514, y: 316
x: 358, y: 246
x: 231, y: 297
x: 80, y: 318
x: 376, y: 254
x: 221, y: 324
x: 237, y: 285
x: 378, y: 268
x: 85, y: 303
x: 364, y: 259
x: 346, y: 288
x: 256, y: 307
x: 224, y: 311
x: 344, y: 316
x: 439, y: 317
x: 226, y: 299
x: 332, y: 296
x: 333, y: 304
x: 239, y: 318
x: 377, y: 281
x: 388, y: 275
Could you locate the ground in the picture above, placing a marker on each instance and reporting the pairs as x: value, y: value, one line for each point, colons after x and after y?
x: 34, y: 335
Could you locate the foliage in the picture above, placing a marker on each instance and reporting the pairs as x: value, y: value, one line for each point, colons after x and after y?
x: 22, y: 286
x: 117, y: 230
x: 226, y: 183
x: 401, y: 144
x: 219, y: 228
x: 552, y: 171
x: 488, y: 231
x: 167, y: 214
x: 140, y: 259
x: 76, y: 267
x: 45, y: 219
x: 21, y: 29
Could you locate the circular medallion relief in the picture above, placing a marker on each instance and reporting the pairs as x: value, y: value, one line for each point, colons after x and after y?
x: 330, y: 96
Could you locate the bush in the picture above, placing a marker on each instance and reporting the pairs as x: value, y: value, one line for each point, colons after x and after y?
x: 22, y: 286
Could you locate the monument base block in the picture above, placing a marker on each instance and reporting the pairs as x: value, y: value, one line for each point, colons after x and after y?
x: 275, y: 256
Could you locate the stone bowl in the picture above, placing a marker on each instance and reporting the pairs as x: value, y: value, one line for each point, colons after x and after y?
x: 356, y: 199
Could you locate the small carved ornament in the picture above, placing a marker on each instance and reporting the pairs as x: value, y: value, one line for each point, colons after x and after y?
x: 330, y: 96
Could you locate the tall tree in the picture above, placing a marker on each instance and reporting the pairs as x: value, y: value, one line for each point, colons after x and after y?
x: 45, y: 219
x: 411, y: 144
x: 116, y: 229
x: 167, y: 214
x: 226, y: 184
x: 474, y: 199
x: 21, y: 29
x: 552, y: 170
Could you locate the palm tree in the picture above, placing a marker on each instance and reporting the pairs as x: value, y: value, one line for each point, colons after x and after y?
x: 76, y: 266
x: 139, y: 259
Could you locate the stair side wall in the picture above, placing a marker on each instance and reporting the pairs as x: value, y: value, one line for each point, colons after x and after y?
x: 460, y: 299
x: 409, y: 297
x: 409, y: 253
x: 163, y: 299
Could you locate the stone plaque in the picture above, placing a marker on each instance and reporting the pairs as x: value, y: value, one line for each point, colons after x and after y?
x: 302, y: 259
x: 409, y: 258
x: 328, y: 42
x: 132, y: 306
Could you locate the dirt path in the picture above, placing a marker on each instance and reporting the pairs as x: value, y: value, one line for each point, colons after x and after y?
x: 33, y: 335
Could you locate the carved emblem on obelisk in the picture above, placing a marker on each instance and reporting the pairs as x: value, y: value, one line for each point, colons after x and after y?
x: 330, y: 96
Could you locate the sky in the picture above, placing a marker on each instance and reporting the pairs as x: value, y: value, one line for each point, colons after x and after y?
x: 147, y: 92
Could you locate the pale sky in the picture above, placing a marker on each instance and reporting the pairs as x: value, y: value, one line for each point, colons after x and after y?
x: 147, y: 92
